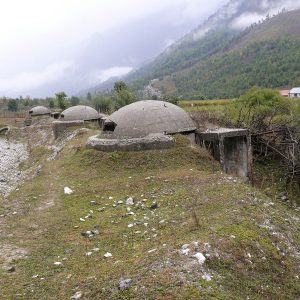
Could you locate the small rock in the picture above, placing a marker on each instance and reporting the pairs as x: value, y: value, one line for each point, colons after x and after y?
x: 58, y: 263
x: 110, y: 198
x: 206, y: 277
x: 107, y: 255
x: 154, y: 205
x: 152, y: 250
x: 68, y: 191
x: 130, y: 201
x: 88, y: 253
x: 93, y: 202
x: 77, y: 295
x: 125, y: 283
x: 201, y: 258
x: 185, y: 246
x: 11, y: 269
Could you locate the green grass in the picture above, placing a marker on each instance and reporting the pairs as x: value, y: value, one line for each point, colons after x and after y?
x: 196, y: 204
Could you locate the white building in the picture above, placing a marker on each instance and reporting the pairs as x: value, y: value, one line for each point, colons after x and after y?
x: 294, y: 93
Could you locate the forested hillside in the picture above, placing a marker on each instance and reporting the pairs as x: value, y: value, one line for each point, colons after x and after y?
x: 227, y: 62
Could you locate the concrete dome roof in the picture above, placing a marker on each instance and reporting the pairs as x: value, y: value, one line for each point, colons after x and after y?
x: 39, y: 111
x: 151, y: 116
x: 79, y: 112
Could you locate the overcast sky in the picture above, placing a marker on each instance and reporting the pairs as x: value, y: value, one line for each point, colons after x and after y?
x: 41, y: 40
x: 53, y: 45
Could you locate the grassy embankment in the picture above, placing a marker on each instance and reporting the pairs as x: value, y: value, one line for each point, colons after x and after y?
x: 250, y: 243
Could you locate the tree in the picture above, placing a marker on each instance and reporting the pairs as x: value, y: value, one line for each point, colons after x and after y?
x: 51, y: 103
x: 61, y: 100
x: 89, y: 96
x: 12, y: 105
x: 102, y: 103
x: 74, y: 101
x: 122, y: 95
x: 260, y: 109
x: 119, y: 86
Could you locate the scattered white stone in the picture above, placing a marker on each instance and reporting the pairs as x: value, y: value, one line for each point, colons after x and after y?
x: 146, y: 224
x: 152, y: 250
x: 129, y: 201
x: 185, y: 251
x: 206, y: 277
x: 88, y: 253
x: 130, y: 225
x: 77, y: 295
x: 96, y: 249
x: 110, y: 198
x: 82, y: 220
x: 249, y: 255
x: 201, y: 258
x: 58, y: 263
x: 120, y: 202
x: 68, y: 191
x: 35, y: 276
x: 107, y: 255
x: 185, y: 246
x: 232, y: 236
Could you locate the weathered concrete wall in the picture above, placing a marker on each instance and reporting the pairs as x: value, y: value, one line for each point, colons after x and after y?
x: 59, y: 127
x: 155, y: 141
x: 231, y: 147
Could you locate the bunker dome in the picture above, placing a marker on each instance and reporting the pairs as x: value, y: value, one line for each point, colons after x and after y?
x: 145, y: 117
x: 39, y: 111
x: 79, y: 113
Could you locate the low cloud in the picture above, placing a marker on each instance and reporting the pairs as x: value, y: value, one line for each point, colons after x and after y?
x: 246, y: 19
x: 103, y: 75
x: 27, y: 81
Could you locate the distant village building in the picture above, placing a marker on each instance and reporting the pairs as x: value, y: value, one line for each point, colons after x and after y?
x: 294, y: 93
x: 284, y: 93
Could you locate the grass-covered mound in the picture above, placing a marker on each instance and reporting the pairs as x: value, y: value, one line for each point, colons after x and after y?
x: 250, y: 245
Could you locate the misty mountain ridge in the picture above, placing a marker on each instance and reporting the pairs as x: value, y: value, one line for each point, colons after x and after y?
x: 216, y: 35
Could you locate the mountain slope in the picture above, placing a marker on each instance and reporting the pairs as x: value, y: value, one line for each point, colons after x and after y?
x: 265, y: 54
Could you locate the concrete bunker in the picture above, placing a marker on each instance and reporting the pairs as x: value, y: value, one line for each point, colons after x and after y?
x: 146, y: 124
x: 79, y: 113
x: 39, y: 111
x: 75, y: 116
x: 231, y: 147
x: 37, y: 115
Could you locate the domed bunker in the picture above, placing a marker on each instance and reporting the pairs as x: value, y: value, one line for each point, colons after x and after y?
x: 147, y: 124
x: 39, y: 111
x: 75, y: 116
x: 79, y: 113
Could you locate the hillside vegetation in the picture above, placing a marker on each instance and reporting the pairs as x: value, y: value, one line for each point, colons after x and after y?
x: 225, y: 62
